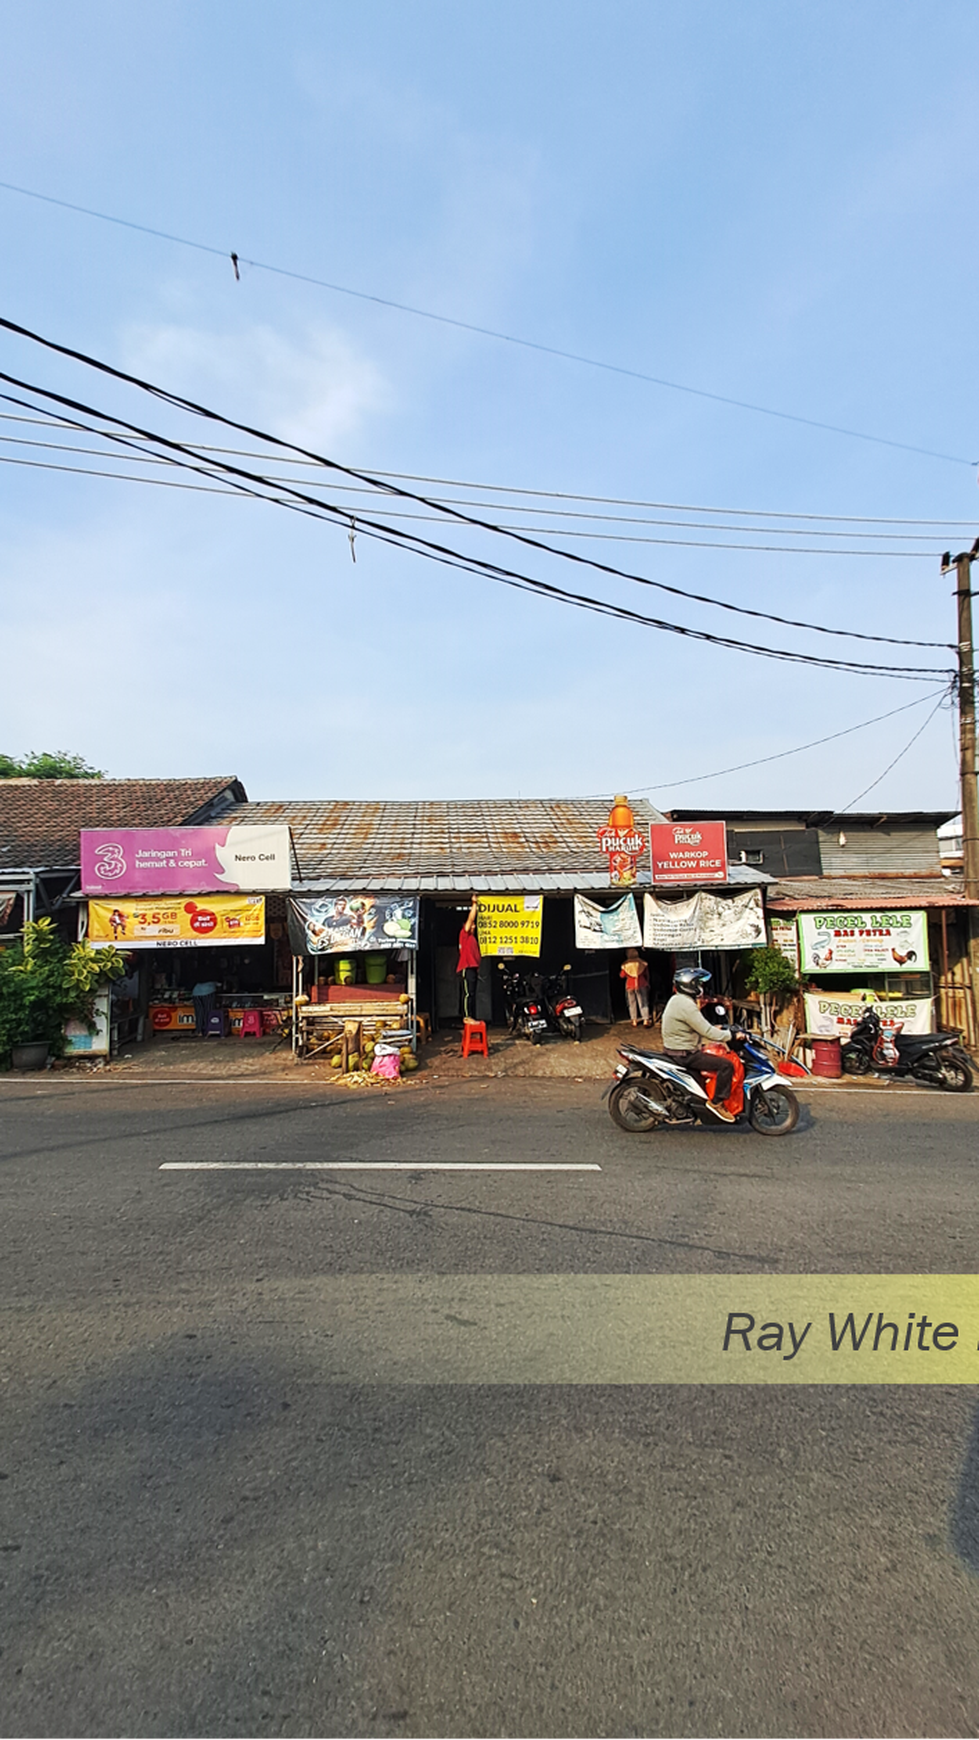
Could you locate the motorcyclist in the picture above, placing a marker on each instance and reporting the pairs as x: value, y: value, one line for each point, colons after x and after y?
x: 684, y: 1027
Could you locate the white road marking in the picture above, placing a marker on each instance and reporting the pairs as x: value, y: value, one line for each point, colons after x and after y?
x: 377, y: 1166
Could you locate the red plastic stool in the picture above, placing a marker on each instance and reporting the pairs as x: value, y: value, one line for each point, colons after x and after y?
x: 251, y: 1022
x: 474, y: 1039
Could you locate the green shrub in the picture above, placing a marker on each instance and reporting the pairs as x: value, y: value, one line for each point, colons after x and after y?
x: 770, y: 974
x: 45, y: 982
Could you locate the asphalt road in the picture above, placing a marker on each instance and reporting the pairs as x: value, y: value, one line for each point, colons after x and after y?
x: 220, y: 1515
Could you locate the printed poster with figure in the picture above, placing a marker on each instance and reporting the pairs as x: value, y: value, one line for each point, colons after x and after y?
x: 348, y: 923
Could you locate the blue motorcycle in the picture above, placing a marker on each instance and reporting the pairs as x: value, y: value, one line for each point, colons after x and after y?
x: 651, y: 1092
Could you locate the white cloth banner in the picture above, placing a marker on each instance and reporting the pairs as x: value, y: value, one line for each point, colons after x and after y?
x: 705, y: 921
x: 606, y: 927
x: 835, y: 1014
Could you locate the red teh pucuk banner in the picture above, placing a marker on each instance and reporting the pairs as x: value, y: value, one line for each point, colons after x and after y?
x: 688, y: 853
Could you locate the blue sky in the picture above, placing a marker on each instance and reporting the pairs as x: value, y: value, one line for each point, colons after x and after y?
x: 774, y: 204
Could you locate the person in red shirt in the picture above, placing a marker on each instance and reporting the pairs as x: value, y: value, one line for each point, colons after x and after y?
x: 469, y: 959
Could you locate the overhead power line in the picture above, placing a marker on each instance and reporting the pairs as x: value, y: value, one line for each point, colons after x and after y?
x: 314, y: 508
x: 391, y: 489
x: 800, y: 749
x: 899, y: 757
x: 238, y: 259
x: 434, y: 519
x: 879, y: 540
x: 51, y: 422
x: 247, y: 481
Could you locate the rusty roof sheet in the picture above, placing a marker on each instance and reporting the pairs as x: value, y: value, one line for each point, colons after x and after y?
x: 852, y: 893
x: 493, y: 843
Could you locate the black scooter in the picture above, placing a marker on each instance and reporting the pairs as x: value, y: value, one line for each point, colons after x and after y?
x: 524, y: 1007
x: 935, y: 1058
x: 564, y: 1012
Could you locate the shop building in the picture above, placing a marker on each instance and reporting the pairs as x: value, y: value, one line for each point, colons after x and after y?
x: 42, y: 825
x: 191, y: 905
x: 405, y: 872
x: 868, y: 907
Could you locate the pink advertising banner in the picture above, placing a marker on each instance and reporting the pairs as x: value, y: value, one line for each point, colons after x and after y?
x: 245, y: 857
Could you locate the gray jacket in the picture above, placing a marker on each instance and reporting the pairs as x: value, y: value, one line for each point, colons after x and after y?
x: 684, y: 1026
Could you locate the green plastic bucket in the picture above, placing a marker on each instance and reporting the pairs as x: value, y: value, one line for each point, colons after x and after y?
x: 345, y: 972
x: 376, y: 968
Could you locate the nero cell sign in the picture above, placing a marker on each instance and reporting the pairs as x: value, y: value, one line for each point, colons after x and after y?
x: 238, y: 858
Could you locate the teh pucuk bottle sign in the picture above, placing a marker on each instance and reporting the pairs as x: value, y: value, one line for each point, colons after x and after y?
x: 622, y: 843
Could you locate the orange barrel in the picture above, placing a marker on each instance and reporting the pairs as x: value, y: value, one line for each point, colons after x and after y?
x: 826, y: 1058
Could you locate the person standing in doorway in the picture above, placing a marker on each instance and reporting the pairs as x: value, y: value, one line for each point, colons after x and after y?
x: 469, y: 959
x: 635, y: 971
x: 204, y: 993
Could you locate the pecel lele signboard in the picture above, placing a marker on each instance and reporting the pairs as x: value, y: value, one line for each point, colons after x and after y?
x: 687, y: 853
x: 864, y: 942
x: 235, y: 859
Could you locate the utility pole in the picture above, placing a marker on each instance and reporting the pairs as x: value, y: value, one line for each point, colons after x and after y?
x: 967, y: 752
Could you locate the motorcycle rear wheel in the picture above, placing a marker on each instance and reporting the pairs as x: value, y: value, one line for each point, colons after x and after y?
x: 627, y: 1109
x: 775, y: 1113
x: 854, y: 1061
x: 953, y: 1075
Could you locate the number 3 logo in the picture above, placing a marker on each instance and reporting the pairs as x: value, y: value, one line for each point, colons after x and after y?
x: 113, y: 864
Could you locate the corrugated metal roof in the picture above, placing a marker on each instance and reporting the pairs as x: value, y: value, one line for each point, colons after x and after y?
x: 508, y: 842
x: 852, y: 893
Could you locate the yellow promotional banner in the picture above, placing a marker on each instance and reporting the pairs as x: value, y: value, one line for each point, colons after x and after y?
x: 214, y: 921
x: 509, y: 924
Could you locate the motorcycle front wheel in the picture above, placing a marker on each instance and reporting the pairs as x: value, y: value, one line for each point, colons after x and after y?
x: 854, y: 1061
x: 628, y: 1110
x: 774, y: 1111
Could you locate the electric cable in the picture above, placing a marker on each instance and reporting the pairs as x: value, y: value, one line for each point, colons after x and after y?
x: 179, y: 402
x: 892, y: 764
x: 313, y: 507
x: 434, y: 519
x: 878, y: 538
x: 238, y: 259
x: 782, y: 754
x: 50, y: 422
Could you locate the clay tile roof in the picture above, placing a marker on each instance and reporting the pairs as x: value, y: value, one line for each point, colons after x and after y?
x: 40, y: 819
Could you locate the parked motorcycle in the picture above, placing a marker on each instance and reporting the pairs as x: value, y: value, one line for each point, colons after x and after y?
x: 525, y: 1011
x: 564, y: 1012
x: 651, y: 1092
x: 936, y: 1058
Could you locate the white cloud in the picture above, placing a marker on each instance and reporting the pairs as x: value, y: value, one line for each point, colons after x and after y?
x: 317, y: 390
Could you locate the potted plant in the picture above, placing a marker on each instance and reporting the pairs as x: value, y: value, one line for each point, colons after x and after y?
x: 44, y: 982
